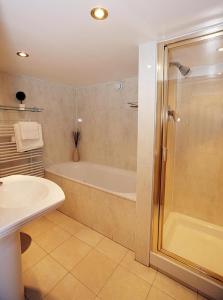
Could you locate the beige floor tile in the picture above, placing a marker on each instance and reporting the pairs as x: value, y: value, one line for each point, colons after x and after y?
x: 32, y: 256
x: 37, y: 227
x: 89, y: 236
x: 70, y: 288
x: 70, y: 252
x: 155, y: 294
x: 146, y: 273
x: 94, y: 270
x: 124, y: 285
x: 71, y: 225
x: 52, y: 239
x: 112, y: 249
x: 56, y: 216
x: 44, y: 275
x: 173, y: 288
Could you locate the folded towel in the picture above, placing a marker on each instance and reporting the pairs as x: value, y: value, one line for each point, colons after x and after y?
x: 29, y: 130
x: 28, y: 144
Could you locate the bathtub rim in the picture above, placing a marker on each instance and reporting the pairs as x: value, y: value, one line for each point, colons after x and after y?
x: 121, y: 195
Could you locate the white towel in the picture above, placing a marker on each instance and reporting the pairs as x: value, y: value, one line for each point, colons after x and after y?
x: 24, y: 144
x: 29, y: 130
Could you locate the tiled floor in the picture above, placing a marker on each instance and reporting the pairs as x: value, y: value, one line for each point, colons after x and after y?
x: 69, y: 261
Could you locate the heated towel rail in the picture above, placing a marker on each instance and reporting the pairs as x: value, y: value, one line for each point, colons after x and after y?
x: 13, y: 162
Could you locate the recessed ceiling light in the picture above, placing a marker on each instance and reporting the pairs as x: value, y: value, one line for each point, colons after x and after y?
x: 22, y: 54
x: 220, y: 49
x: 99, y: 13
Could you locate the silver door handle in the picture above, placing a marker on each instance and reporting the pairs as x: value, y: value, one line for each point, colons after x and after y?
x: 174, y: 115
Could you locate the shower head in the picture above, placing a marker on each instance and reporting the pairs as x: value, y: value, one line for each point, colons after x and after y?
x: 184, y: 70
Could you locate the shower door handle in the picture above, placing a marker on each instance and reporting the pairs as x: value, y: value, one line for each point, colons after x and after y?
x: 174, y: 115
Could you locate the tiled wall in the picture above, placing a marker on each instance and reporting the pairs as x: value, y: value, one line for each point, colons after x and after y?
x: 109, y: 127
x: 195, y: 186
x: 57, y: 119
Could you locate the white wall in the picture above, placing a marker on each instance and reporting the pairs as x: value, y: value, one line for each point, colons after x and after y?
x: 145, y: 161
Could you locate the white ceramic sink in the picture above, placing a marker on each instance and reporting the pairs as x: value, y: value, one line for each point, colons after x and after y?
x: 22, y: 199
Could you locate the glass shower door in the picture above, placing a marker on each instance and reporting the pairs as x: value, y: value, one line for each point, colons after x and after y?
x: 192, y: 202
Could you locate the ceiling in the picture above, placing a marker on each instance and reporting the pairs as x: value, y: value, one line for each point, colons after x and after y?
x: 66, y: 45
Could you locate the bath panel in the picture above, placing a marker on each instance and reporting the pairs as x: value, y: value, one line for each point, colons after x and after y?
x: 98, y: 196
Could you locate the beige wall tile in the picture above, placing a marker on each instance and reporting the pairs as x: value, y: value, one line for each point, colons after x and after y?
x: 111, y: 249
x: 94, y: 270
x: 194, y: 172
x: 124, y: 285
x: 70, y: 288
x: 70, y: 252
x: 144, y: 272
x: 57, y: 119
x: 44, y: 275
x: 108, y: 214
x: 109, y: 127
x: 123, y: 218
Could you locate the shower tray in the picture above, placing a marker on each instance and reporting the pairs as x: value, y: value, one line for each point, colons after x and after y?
x: 195, y: 240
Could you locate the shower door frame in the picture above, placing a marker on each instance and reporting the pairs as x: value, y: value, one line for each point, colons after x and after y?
x: 161, y: 148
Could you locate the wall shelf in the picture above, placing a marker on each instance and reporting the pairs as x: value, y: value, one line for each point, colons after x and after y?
x: 17, y: 108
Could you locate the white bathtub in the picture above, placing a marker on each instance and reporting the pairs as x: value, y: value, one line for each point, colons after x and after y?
x: 100, y: 197
x: 112, y: 180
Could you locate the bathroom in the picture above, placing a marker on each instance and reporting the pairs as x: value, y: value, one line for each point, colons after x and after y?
x: 110, y: 150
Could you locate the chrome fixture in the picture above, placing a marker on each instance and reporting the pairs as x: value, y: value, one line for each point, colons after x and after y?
x: 133, y: 104
x: 184, y: 70
x: 22, y: 54
x: 173, y: 114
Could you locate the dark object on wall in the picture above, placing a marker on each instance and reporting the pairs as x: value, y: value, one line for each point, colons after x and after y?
x: 76, y: 135
x: 20, y: 96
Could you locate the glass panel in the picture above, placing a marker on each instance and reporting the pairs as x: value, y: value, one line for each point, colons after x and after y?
x: 193, y: 201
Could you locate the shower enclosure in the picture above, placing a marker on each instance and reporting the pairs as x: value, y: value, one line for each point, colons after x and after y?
x: 188, y: 223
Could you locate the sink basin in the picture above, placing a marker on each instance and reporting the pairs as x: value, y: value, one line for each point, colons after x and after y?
x: 22, y: 199
x: 21, y: 193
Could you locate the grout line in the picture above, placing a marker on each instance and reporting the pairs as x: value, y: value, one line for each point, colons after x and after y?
x: 55, y: 247
x: 93, y: 247
x: 45, y: 254
x: 148, y: 292
x: 55, y: 285
x: 84, y: 284
x: 109, y: 277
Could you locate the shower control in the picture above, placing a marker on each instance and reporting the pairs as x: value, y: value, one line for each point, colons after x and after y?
x: 173, y: 114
